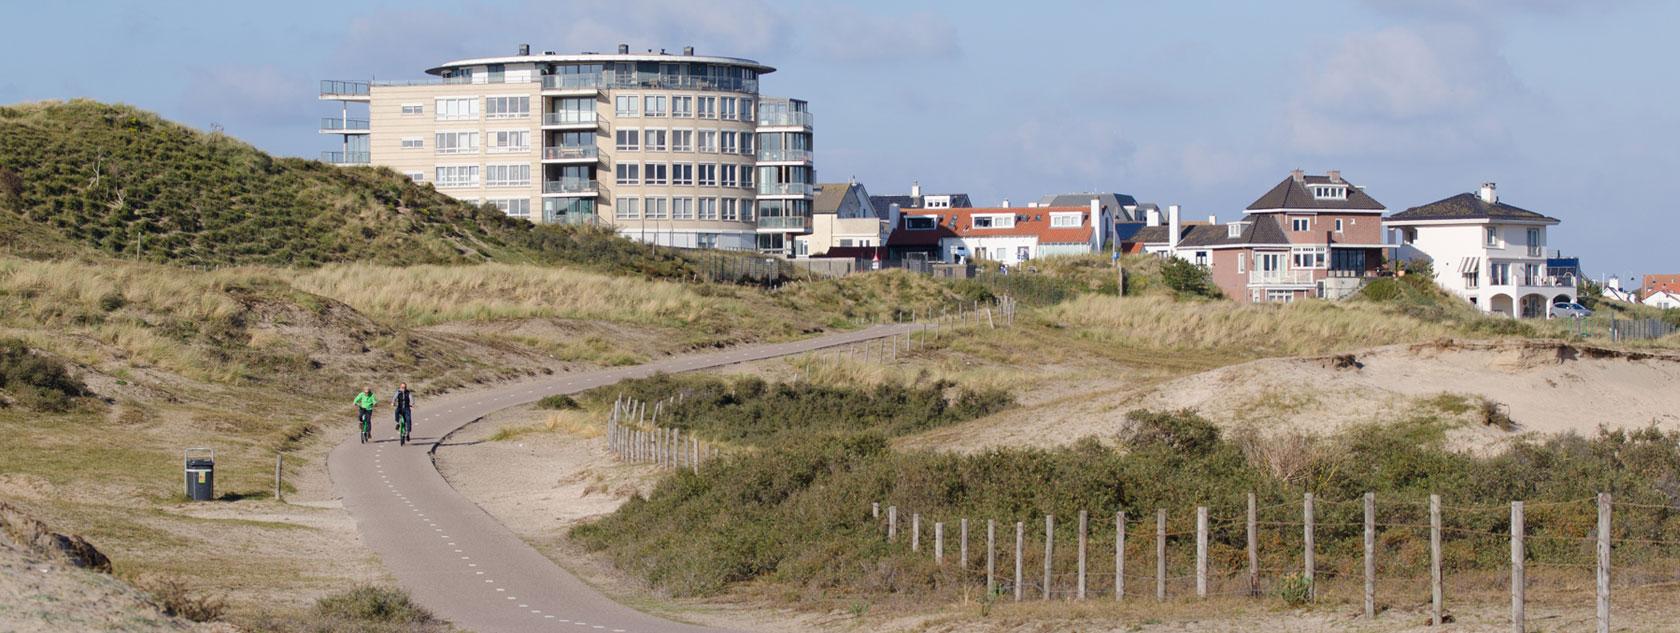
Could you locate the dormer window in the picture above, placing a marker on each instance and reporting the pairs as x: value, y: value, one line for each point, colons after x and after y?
x: 920, y: 223
x: 1233, y: 230
x: 1066, y: 220
x: 1329, y: 192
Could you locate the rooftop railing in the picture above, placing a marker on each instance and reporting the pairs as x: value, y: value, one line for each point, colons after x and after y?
x: 347, y: 158
x: 337, y: 87
x: 570, y: 185
x: 334, y: 123
x: 784, y: 119
x: 785, y: 155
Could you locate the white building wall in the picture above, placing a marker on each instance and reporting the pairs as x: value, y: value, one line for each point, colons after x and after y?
x: 1011, y: 245
x: 1446, y: 246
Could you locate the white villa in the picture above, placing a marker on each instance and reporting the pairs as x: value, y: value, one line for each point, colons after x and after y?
x: 1491, y: 253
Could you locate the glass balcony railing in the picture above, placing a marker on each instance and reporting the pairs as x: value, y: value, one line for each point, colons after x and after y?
x: 785, y: 155
x: 347, y: 125
x: 347, y: 158
x: 784, y: 189
x: 572, y: 82
x: 340, y: 88
x: 567, y: 152
x: 790, y: 223
x: 784, y: 119
x: 569, y: 117
x: 570, y: 185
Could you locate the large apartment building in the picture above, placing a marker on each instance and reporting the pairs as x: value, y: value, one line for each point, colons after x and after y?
x: 676, y: 149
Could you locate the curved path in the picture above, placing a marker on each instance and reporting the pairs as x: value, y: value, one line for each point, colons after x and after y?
x: 457, y: 560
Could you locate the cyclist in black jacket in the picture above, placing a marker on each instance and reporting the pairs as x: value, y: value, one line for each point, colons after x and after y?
x: 403, y: 402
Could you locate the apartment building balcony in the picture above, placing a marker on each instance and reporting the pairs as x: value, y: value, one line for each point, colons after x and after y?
x: 571, y: 154
x: 660, y: 81
x: 341, y: 90
x: 782, y: 224
x: 572, y: 85
x: 576, y: 187
x: 793, y: 119
x: 784, y: 155
x: 335, y: 125
x: 570, y: 120
x: 347, y: 158
x: 1302, y: 277
x: 784, y: 189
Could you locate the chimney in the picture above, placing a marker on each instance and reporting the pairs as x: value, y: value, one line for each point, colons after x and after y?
x: 1098, y: 226
x: 524, y: 49
x: 1172, y: 229
x: 624, y: 49
x: 1335, y: 175
x: 1006, y: 203
x: 1489, y: 194
x: 1298, y: 175
x: 1152, y: 217
x: 688, y: 51
x: 1213, y: 221
x: 916, y: 189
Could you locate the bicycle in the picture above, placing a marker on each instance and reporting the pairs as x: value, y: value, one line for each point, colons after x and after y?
x: 367, y: 424
x: 404, y: 421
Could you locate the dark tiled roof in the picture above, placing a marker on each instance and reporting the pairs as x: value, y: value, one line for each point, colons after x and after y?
x: 1262, y: 231
x: 830, y: 196
x: 958, y: 201
x: 1150, y: 235
x: 1469, y: 206
x: 1291, y: 194
x: 1114, y: 203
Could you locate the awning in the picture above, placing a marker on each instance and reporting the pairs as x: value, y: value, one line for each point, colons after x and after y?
x: 1470, y: 265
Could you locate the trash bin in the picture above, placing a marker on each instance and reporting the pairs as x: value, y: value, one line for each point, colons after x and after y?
x: 200, y: 467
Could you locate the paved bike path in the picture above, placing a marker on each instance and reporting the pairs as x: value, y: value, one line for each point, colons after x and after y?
x: 460, y: 562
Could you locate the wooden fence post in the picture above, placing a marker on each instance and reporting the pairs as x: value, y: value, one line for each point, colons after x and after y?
x: 1020, y: 535
x: 892, y: 523
x: 915, y: 531
x: 1049, y: 550
x: 1370, y: 555
x: 279, y: 459
x: 1435, y: 560
x: 1201, y: 551
x: 1603, y: 562
x: 1518, y: 582
x: 1082, y: 530
x: 875, y: 510
x: 939, y: 542
x: 1119, y: 556
x: 991, y: 557
x: 962, y: 549
x: 1253, y: 547
x: 1307, y: 543
x: 1161, y: 555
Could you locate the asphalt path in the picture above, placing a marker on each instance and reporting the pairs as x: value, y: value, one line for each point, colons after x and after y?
x: 460, y: 562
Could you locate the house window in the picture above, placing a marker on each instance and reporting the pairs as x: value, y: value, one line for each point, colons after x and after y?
x: 628, y: 140
x: 413, y: 109
x: 628, y: 173
x: 655, y: 174
x: 1280, y: 296
x: 1023, y: 253
x: 682, y: 140
x: 507, y: 108
x: 921, y: 223
x: 655, y: 139
x: 1300, y: 225
x: 625, y: 105
x: 507, y: 175
x: 1201, y: 258
x: 457, y: 176
x: 456, y: 109
x: 1493, y: 237
x: 1472, y: 280
x: 682, y: 174
x: 413, y: 143
x: 1338, y: 225
x: 1065, y: 220
x: 993, y: 221
x: 1242, y: 262
x: 682, y: 106
x: 1499, y: 274
x: 1233, y: 229
x: 627, y: 208
x: 510, y: 141
x: 455, y: 142
x: 1535, y: 247
x: 682, y: 208
x: 1307, y: 256
x: 1330, y: 192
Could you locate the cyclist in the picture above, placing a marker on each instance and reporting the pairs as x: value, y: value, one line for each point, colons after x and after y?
x: 404, y: 404
x: 364, y: 407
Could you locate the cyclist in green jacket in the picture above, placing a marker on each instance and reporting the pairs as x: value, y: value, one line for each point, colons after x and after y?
x: 364, y: 406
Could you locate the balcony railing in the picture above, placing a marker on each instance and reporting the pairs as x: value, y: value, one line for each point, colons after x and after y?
x: 1538, y: 281
x: 584, y: 152
x: 570, y: 185
x: 572, y: 82
x: 569, y: 117
x: 792, y: 223
x: 784, y: 189
x: 348, y: 125
x: 784, y: 119
x: 679, y: 82
x: 1286, y: 277
x: 347, y: 158
x: 340, y: 88
x: 785, y: 155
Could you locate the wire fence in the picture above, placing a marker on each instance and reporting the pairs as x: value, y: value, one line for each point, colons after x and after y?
x: 1413, y: 552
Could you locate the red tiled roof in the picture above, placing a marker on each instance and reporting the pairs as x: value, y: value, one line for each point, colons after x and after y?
x: 1665, y: 283
x: 1029, y: 222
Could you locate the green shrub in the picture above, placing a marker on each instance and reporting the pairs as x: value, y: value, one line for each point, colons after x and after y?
x: 175, y: 598
x: 37, y: 381
x: 1182, y: 431
x: 1295, y: 590
x: 1188, y: 279
x: 362, y: 609
x: 558, y: 402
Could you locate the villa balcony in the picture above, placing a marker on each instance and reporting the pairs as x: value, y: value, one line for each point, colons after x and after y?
x: 571, y: 154
x: 347, y: 158
x: 339, y: 90
x: 1287, y: 277
x: 1535, y: 281
x: 570, y: 187
x: 335, y: 125
x: 784, y: 189
x: 570, y: 119
x: 784, y: 155
x: 785, y: 119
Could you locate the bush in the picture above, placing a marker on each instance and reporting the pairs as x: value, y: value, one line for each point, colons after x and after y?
x: 37, y: 381
x: 1183, y: 431
x: 558, y: 402
x: 175, y: 598
x: 1295, y: 590
x: 363, y: 609
x: 1188, y: 279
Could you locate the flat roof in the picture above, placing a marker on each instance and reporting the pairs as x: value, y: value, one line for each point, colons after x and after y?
x: 603, y: 58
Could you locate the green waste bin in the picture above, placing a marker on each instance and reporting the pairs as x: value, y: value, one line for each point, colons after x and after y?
x: 200, y: 467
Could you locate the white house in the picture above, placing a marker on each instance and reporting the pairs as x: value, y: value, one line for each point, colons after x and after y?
x: 1489, y: 252
x: 1663, y: 299
x: 1007, y: 235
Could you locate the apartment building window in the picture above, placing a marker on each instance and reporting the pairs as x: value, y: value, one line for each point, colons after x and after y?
x: 708, y: 209
x: 457, y: 176
x: 456, y: 109
x: 726, y: 142
x: 682, y: 208
x: 455, y: 142
x: 416, y: 176
x: 1535, y: 248
x: 682, y: 174
x: 653, y: 106
x: 1492, y: 237
x: 627, y: 208
x: 655, y: 139
x: 746, y: 206
x: 746, y: 144
x: 726, y: 109
x: 708, y: 175
x: 708, y: 107
x: 628, y: 140
x: 414, y: 143
x: 728, y: 179
x: 628, y: 173
x: 708, y: 141
x: 1300, y: 225
x: 1307, y: 256
x: 510, y: 141
x: 507, y: 175
x: 655, y: 208
x: 513, y: 207
x: 682, y: 106
x: 625, y: 105
x: 682, y: 140
x: 413, y: 109
x: 706, y: 240
x: 507, y: 107
x: 746, y: 109
x: 729, y: 213
x: 655, y: 173
x: 746, y: 177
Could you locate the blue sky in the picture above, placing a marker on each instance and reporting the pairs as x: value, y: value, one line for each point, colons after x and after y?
x: 1569, y: 106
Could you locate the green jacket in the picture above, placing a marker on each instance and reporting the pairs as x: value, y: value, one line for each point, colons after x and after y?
x: 365, y: 400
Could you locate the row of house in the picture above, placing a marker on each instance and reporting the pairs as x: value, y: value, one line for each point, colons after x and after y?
x: 1308, y: 236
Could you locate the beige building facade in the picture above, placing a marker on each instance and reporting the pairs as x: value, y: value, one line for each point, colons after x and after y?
x: 675, y: 149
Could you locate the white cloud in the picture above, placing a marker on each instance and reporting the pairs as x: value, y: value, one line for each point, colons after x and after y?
x: 1436, y: 88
